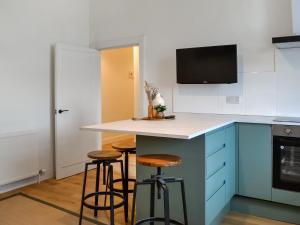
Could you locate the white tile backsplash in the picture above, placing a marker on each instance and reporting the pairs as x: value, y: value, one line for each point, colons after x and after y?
x: 287, y: 60
x: 288, y: 93
x: 260, y: 90
x: 261, y: 93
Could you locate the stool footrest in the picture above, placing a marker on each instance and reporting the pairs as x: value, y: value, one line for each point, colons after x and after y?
x: 157, y: 219
x: 121, y: 190
x: 102, y: 207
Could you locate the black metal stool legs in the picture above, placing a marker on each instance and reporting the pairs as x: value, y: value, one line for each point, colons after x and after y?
x: 184, y: 202
x: 97, y: 188
x: 125, y: 182
x: 161, y: 183
x: 125, y: 186
x: 83, y: 193
x: 152, y: 201
x: 166, y: 203
x: 111, y: 203
x: 96, y: 195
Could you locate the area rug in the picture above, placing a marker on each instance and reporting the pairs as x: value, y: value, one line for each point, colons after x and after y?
x: 21, y: 209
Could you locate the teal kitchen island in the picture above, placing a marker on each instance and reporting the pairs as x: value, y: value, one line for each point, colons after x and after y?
x: 209, y: 148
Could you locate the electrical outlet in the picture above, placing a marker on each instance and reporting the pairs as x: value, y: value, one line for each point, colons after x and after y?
x: 42, y: 172
x: 232, y: 100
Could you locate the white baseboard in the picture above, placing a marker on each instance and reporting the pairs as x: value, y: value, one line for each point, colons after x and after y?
x: 18, y: 184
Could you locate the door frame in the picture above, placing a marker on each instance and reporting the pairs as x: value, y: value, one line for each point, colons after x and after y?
x: 127, y: 42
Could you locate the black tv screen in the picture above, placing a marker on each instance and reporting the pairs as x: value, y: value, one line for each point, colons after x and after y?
x: 207, y: 65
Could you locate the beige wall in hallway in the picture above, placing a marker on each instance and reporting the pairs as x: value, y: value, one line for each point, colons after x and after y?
x: 117, y: 87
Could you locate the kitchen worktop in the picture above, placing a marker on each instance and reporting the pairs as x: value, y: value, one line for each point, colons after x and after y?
x: 185, y: 126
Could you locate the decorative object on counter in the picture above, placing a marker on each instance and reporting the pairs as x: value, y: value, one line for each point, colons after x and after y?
x: 170, y: 117
x: 155, y: 100
x: 159, y: 109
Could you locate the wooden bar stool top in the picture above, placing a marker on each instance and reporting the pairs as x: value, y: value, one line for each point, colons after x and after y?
x: 124, y: 146
x: 104, y: 155
x: 159, y: 160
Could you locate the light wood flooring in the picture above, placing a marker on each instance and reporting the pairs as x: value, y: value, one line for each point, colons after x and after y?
x: 66, y: 193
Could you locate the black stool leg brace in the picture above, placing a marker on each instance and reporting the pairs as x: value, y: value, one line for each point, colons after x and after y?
x: 124, y: 190
x: 97, y: 193
x: 115, y: 190
x: 161, y: 184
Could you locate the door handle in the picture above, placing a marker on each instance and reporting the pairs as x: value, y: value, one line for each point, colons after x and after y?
x: 62, y: 110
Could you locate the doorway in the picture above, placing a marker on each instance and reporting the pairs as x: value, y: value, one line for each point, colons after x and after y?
x: 119, y: 77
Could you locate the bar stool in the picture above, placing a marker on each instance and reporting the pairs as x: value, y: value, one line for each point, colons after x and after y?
x: 124, y: 148
x: 158, y: 161
x: 106, y: 158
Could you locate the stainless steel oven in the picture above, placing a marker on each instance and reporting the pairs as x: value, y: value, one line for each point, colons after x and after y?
x: 286, y: 157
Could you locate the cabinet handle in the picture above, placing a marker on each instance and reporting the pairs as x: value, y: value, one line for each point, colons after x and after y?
x: 218, y: 149
x: 224, y: 182
x: 217, y: 170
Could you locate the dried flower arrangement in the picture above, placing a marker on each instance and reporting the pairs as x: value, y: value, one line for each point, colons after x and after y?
x: 156, y: 102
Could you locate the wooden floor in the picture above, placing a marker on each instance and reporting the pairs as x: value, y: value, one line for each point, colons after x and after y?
x: 66, y: 193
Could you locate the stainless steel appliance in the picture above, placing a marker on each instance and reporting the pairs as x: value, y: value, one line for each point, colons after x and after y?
x: 286, y: 157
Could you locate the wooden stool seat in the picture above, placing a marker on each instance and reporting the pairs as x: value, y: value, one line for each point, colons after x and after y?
x: 104, y: 155
x: 124, y: 146
x: 159, y: 160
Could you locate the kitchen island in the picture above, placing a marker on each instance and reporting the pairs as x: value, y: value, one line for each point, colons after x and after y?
x: 208, y: 146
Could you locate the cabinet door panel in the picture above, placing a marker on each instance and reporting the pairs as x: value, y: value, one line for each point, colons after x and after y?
x: 255, y: 161
x: 215, y: 205
x: 231, y: 149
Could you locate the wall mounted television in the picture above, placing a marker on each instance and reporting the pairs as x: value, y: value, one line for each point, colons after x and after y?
x: 207, y: 65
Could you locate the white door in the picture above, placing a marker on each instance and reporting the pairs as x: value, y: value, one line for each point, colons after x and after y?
x: 77, y: 90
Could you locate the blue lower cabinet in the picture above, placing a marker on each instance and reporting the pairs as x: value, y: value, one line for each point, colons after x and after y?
x: 216, y: 162
x: 255, y: 161
x: 215, y: 204
x: 231, y: 158
x: 220, y: 171
x: 214, y: 183
x: 215, y: 141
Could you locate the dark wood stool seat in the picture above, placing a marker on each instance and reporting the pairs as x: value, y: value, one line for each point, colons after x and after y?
x: 124, y: 147
x: 104, y: 155
x: 159, y: 160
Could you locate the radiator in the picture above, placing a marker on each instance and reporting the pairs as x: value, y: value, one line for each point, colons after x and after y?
x: 19, y: 156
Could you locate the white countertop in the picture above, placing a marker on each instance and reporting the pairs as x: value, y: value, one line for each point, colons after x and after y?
x: 185, y: 126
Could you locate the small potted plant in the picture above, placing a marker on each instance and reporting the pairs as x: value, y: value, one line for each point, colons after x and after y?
x: 160, y: 111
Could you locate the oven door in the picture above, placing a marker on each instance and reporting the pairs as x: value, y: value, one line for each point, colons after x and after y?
x: 286, y: 163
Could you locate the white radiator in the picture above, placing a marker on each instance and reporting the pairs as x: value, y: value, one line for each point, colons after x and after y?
x: 19, y: 156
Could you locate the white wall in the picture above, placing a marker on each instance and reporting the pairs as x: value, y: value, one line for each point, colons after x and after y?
x: 29, y: 28
x: 172, y: 24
